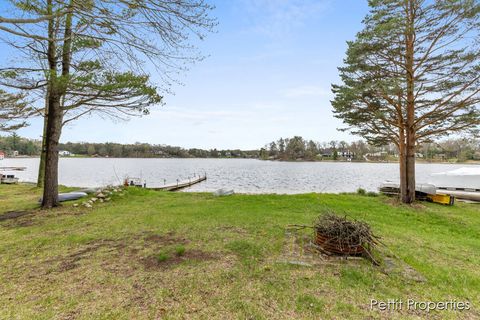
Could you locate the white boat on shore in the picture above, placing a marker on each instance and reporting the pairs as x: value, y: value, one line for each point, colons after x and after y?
x: 8, y: 179
x: 393, y: 188
x: 467, y: 177
x: 422, y: 190
x: 463, y: 171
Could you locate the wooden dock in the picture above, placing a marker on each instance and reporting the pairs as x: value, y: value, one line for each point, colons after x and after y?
x: 180, y: 184
x: 13, y: 168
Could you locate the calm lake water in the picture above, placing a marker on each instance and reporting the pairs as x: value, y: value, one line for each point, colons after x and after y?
x: 247, y: 175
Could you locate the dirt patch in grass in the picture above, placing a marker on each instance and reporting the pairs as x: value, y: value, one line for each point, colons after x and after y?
x: 26, y: 221
x: 395, y: 202
x: 72, y: 260
x: 13, y: 215
x: 15, y: 219
x: 153, y: 262
x: 72, y: 315
x: 26, y: 218
x: 165, y: 239
x: 131, y: 249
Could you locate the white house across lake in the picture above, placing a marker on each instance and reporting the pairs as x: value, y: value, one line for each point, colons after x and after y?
x: 64, y: 153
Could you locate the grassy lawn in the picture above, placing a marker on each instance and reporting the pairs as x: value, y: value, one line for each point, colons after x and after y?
x: 149, y: 255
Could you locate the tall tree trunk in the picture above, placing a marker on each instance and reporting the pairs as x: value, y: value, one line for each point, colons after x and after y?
x: 403, y: 164
x: 50, y: 185
x: 410, y: 166
x: 409, y: 195
x: 54, y: 128
x: 57, y: 89
x: 43, y: 150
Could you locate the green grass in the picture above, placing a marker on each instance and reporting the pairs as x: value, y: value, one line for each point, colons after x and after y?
x: 180, y: 250
x: 162, y: 257
x: 122, y: 260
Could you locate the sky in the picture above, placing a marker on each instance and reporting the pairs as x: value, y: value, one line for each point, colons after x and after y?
x: 268, y: 74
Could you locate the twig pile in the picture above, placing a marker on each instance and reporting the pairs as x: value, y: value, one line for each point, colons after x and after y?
x: 339, y: 235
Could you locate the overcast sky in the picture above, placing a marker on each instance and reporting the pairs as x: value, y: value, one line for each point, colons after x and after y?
x: 268, y: 75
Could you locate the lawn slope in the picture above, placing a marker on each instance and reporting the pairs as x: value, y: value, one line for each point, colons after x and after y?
x: 148, y: 255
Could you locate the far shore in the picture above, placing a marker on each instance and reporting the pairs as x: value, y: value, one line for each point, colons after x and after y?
x: 471, y: 162
x: 422, y: 161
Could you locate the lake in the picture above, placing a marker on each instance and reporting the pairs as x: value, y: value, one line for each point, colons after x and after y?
x: 247, y: 175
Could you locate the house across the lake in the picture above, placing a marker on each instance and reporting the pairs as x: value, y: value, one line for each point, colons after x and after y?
x: 2, y: 155
x: 347, y: 154
x: 64, y: 153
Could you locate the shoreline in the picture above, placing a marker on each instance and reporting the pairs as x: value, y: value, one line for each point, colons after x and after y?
x: 469, y: 162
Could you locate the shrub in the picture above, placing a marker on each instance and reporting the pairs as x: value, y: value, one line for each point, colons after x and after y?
x: 162, y: 257
x: 180, y: 250
x: 361, y: 191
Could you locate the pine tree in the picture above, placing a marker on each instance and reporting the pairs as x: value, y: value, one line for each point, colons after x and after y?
x: 13, y: 111
x: 412, y: 75
x: 92, y: 59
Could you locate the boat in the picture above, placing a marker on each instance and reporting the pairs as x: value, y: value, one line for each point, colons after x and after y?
x: 69, y: 196
x: 467, y: 177
x: 134, y: 182
x: 461, y: 193
x: 223, y: 192
x: 8, y: 179
x: 393, y: 188
x: 89, y: 190
x: 424, y: 192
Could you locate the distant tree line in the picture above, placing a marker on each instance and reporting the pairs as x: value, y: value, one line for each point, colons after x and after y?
x: 284, y: 149
x: 298, y: 148
x: 30, y: 147
x: 146, y: 150
x: 23, y: 146
x: 459, y: 149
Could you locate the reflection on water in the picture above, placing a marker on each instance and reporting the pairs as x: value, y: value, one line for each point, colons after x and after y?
x: 244, y: 175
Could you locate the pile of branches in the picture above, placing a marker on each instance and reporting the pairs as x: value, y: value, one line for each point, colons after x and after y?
x: 343, y: 234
